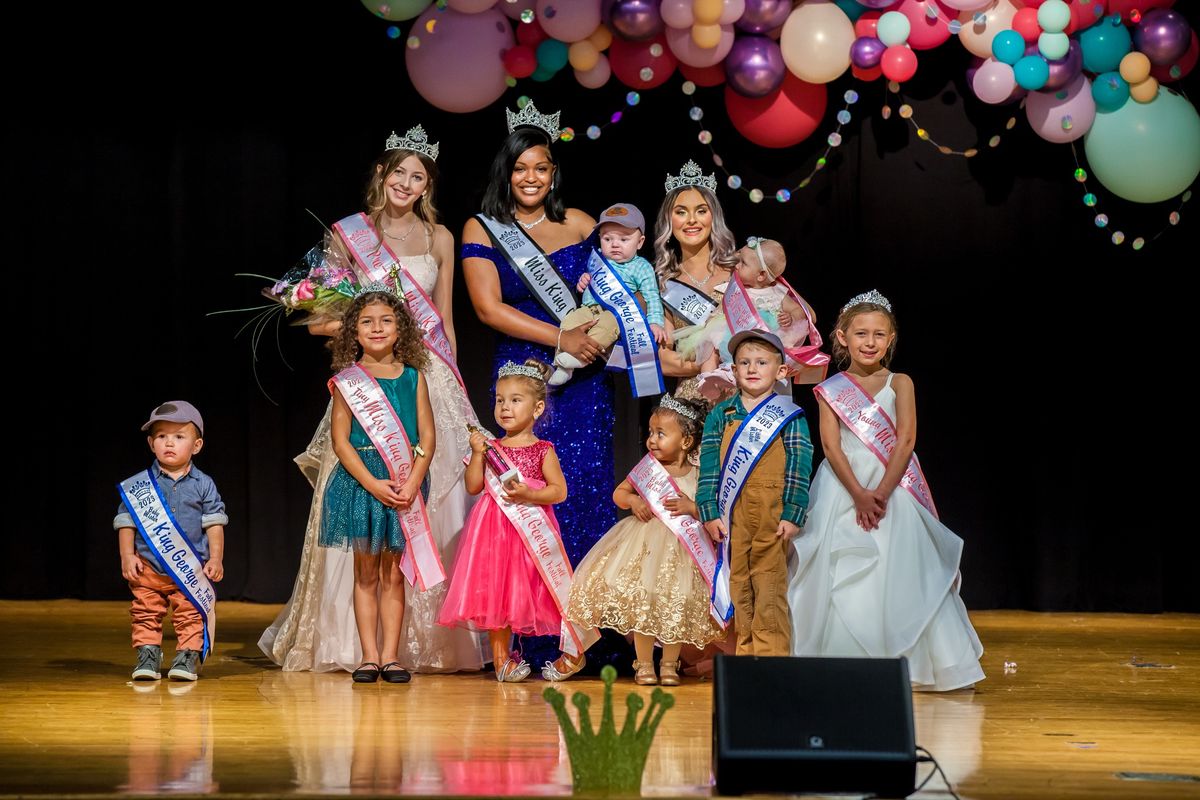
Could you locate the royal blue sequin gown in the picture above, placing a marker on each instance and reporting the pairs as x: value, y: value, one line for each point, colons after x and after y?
x: 580, y: 424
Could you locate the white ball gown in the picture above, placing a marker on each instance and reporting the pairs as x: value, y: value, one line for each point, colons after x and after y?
x: 316, y: 630
x: 889, y: 592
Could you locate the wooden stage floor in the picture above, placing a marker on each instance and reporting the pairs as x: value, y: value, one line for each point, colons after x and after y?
x: 1092, y: 697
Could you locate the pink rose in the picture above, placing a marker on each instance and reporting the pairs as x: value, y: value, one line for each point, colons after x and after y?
x: 304, y: 291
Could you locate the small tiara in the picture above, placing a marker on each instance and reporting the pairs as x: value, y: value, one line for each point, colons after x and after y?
x: 691, y: 175
x: 511, y: 368
x: 529, y: 116
x: 873, y: 297
x: 671, y: 404
x: 382, y: 286
x: 416, y: 140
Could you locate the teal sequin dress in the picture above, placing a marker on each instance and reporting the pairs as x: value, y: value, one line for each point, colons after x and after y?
x: 353, y: 517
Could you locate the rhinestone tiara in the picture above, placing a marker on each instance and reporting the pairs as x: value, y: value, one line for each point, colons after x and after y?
x: 691, y: 175
x: 416, y: 140
x: 671, y: 404
x: 511, y: 369
x: 531, y: 117
x: 872, y: 296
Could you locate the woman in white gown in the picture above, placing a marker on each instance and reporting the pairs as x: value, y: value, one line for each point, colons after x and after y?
x: 877, y: 572
x: 316, y: 629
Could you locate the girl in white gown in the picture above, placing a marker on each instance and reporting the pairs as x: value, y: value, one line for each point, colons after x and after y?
x: 316, y: 629
x: 877, y: 572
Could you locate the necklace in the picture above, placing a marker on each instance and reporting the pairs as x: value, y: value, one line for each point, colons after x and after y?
x: 407, y: 233
x: 700, y: 284
x: 536, y: 222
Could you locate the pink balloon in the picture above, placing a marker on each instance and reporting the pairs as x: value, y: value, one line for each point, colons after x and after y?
x: 732, y: 11
x: 967, y: 5
x: 685, y: 49
x: 513, y: 10
x: 470, y: 6
x: 677, y: 13
x: 1062, y: 119
x: 569, y: 20
x: 1126, y: 7
x: 597, y: 76
x: 459, y: 67
x: 994, y: 82
x: 927, y: 32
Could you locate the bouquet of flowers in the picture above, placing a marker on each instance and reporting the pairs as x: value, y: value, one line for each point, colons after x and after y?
x: 321, y: 284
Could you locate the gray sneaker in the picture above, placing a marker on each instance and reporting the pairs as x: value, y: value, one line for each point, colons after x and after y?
x: 149, y: 663
x: 186, y: 666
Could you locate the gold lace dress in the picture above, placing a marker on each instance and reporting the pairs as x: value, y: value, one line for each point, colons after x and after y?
x: 639, y: 578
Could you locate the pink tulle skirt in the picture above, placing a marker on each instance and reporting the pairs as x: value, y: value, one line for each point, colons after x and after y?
x: 495, y: 582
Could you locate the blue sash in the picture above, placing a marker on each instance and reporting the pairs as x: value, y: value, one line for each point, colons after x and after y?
x: 636, y: 351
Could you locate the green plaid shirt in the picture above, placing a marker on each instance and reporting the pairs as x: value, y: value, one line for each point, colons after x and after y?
x: 797, y: 446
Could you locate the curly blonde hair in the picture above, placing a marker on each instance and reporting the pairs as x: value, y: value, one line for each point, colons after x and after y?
x: 667, y: 255
x: 409, y: 347
x: 841, y: 355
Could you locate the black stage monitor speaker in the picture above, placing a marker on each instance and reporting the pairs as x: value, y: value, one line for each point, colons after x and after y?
x: 813, y: 725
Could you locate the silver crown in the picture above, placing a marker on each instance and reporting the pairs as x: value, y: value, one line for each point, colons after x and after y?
x: 530, y: 116
x: 692, y: 175
x: 671, y: 404
x: 382, y: 286
x: 872, y: 296
x: 416, y: 140
x: 511, y: 368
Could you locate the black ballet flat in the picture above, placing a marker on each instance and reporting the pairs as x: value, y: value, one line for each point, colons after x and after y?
x: 368, y: 672
x: 397, y: 675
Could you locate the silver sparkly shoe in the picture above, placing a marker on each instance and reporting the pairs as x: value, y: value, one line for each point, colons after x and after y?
x: 513, y: 672
x: 552, y: 673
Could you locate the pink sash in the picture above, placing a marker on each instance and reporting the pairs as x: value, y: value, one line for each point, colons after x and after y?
x: 874, y: 428
x: 809, y: 363
x: 421, y: 564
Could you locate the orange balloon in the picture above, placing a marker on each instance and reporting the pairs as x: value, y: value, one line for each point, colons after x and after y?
x: 707, y: 12
x: 601, y: 37
x: 1135, y: 68
x: 583, y: 55
x: 706, y: 36
x: 1145, y: 91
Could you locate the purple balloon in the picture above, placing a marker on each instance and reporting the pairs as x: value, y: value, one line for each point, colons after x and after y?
x: 754, y: 66
x: 1163, y: 35
x: 761, y: 16
x: 866, y: 52
x: 635, y: 20
x: 1064, y: 70
x: 877, y: 3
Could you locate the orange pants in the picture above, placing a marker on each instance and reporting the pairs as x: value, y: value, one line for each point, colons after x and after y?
x: 153, y: 595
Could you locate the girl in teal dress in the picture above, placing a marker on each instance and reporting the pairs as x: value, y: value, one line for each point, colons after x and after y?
x: 362, y: 500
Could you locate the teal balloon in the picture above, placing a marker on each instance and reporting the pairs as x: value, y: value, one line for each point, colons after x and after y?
x: 1008, y: 47
x: 1031, y: 72
x: 1146, y: 152
x: 1054, y: 45
x: 893, y: 28
x: 1105, y: 44
x: 851, y: 8
x: 552, y: 55
x: 1110, y: 91
x: 1054, y: 16
x: 541, y: 74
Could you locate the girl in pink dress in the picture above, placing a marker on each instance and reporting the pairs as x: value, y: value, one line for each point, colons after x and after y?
x: 496, y: 584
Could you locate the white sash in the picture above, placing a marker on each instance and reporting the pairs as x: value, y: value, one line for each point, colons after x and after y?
x: 375, y: 261
x: 637, y: 348
x: 545, y: 547
x: 867, y: 420
x: 808, y: 362
x: 535, y: 269
x: 421, y: 564
x: 687, y: 302
x: 171, y: 548
x: 656, y: 485
x: 750, y: 441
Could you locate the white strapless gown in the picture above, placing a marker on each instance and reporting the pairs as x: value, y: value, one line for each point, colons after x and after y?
x: 885, y: 593
x: 316, y: 630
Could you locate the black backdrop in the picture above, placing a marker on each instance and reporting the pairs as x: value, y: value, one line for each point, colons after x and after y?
x: 152, y: 158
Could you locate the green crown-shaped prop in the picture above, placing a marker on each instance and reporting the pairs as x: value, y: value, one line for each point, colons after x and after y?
x: 606, y: 761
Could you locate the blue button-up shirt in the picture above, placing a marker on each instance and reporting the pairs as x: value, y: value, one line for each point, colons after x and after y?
x: 194, y: 502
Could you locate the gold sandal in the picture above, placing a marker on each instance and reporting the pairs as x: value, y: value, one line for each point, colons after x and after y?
x: 645, y: 673
x: 669, y: 672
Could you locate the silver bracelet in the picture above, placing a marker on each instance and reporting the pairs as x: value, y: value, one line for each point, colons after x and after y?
x: 558, y: 345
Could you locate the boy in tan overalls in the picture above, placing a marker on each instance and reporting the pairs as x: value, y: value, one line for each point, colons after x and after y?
x: 769, y: 509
